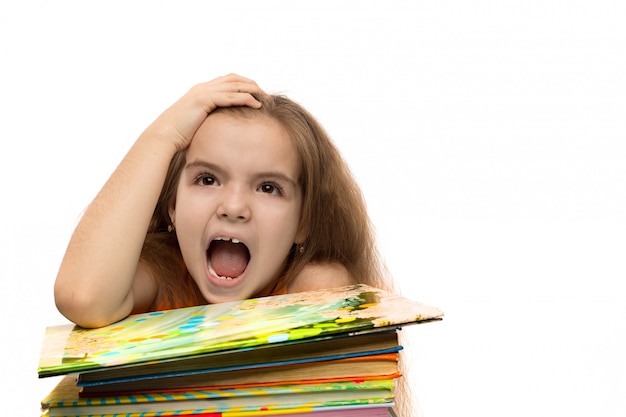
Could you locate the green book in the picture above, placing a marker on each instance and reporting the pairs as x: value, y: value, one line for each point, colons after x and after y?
x: 183, y: 333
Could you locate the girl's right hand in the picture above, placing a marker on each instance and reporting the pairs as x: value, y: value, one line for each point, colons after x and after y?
x: 181, y: 120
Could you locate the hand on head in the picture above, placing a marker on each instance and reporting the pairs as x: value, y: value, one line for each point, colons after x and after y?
x: 181, y: 120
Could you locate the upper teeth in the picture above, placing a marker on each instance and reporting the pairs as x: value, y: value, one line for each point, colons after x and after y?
x: 228, y: 238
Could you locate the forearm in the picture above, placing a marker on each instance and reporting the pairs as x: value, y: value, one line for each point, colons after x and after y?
x: 95, y: 280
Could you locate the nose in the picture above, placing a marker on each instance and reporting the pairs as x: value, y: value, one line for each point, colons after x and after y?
x: 234, y: 205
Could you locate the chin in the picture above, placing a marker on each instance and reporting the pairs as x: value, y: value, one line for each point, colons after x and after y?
x: 213, y: 298
x: 221, y: 295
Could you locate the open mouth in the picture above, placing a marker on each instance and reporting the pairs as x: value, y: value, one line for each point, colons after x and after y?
x: 228, y: 258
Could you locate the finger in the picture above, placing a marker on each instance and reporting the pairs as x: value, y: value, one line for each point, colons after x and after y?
x: 235, y: 83
x: 239, y: 87
x: 237, y: 78
x: 231, y: 99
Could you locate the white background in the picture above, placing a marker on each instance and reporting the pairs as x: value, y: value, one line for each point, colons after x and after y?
x: 488, y: 138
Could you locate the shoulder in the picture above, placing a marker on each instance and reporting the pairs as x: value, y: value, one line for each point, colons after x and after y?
x: 319, y: 276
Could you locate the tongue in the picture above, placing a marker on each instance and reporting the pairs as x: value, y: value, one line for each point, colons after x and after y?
x: 228, y: 259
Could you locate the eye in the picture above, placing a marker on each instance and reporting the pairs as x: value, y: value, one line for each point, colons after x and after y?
x: 205, y: 179
x: 270, y: 188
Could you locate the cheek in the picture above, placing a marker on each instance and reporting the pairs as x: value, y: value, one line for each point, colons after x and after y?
x: 190, y: 221
x: 278, y: 228
x: 188, y: 205
x: 290, y: 227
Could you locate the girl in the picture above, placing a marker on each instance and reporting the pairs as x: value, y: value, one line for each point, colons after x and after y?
x: 230, y: 194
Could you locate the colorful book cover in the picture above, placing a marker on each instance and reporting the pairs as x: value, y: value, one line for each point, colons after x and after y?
x: 65, y: 400
x: 192, y: 331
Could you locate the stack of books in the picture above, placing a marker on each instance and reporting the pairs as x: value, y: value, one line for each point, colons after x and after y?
x: 323, y: 353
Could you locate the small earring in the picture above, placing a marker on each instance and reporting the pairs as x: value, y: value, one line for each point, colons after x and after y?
x: 170, y: 228
x: 300, y: 248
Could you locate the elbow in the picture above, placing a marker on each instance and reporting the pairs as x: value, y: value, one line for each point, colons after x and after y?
x: 83, y: 309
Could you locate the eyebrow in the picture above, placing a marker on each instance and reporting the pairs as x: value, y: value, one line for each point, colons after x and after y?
x: 280, y: 176
x: 201, y: 164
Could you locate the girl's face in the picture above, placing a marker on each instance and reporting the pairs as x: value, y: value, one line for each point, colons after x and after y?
x: 238, y: 206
